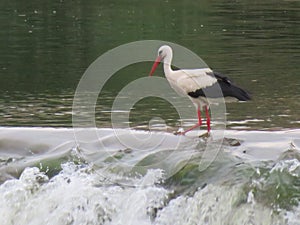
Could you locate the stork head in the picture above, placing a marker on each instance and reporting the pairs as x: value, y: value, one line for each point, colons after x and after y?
x: 163, y: 52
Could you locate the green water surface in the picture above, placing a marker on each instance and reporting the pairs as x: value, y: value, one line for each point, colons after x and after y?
x: 45, y: 47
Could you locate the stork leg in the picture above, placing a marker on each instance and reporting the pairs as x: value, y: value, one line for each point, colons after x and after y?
x: 207, y: 119
x: 196, y: 125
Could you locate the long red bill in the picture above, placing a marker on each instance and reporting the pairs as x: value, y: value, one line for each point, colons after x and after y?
x: 157, y: 61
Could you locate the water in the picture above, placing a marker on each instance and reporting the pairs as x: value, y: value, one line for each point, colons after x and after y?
x: 45, y: 50
x: 48, y: 175
x: 75, y: 182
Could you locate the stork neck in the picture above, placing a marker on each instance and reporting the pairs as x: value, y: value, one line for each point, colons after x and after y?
x: 167, y: 64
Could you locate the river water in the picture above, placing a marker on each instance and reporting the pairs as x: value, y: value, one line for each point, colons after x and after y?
x: 52, y: 174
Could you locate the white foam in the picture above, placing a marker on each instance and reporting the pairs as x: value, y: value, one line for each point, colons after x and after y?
x: 216, y: 205
x: 78, y: 196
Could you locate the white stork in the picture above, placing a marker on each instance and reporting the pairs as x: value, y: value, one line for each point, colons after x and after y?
x: 198, y: 84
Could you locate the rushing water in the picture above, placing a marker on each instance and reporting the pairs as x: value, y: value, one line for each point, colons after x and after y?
x: 102, y: 181
x: 51, y: 174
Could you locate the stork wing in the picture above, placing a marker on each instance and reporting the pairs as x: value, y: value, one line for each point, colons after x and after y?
x: 192, y: 80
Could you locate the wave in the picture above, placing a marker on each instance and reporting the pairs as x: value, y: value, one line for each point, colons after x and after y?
x: 51, y: 176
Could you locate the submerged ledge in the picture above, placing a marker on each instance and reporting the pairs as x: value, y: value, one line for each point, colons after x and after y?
x: 256, y: 145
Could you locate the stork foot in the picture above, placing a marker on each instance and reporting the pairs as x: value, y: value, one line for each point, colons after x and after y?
x: 180, y: 131
x: 205, y: 135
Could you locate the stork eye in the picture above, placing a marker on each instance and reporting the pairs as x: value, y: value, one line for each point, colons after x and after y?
x: 160, y: 52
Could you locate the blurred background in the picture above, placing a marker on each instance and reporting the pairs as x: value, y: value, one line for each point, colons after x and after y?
x: 45, y: 47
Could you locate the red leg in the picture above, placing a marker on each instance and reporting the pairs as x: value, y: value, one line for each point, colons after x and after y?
x: 196, y: 125
x: 199, y: 117
x: 207, y: 119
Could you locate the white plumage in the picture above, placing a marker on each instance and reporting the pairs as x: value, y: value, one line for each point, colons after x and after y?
x: 191, y: 80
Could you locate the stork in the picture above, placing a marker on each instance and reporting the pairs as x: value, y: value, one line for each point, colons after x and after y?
x: 198, y: 85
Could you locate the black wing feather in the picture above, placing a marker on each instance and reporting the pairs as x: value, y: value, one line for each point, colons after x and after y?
x: 228, y: 89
